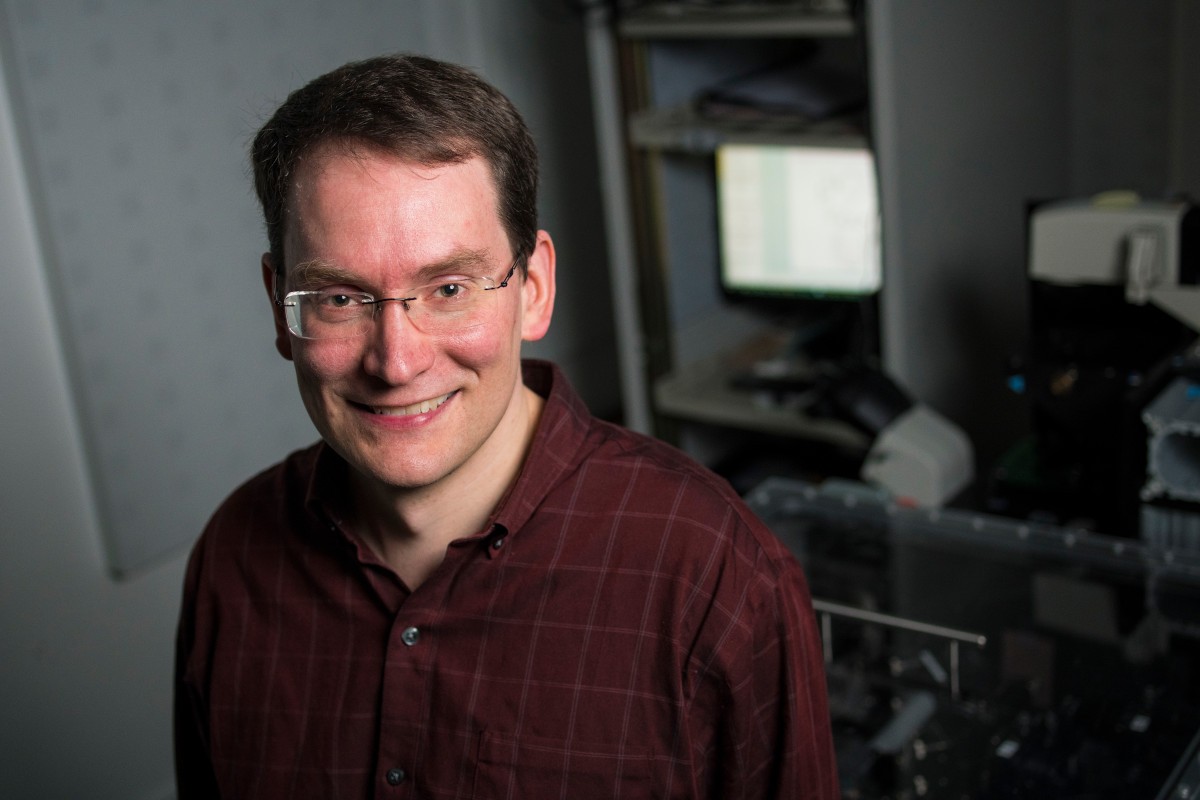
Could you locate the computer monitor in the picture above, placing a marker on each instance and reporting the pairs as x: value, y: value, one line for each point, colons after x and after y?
x: 798, y: 222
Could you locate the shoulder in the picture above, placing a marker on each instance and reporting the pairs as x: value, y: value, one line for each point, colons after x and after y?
x: 612, y: 487
x: 257, y: 517
x: 260, y: 499
x: 736, y: 589
x: 663, y: 476
x: 659, y: 488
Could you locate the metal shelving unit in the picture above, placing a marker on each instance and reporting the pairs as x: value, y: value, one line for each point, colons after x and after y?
x: 683, y: 129
x: 677, y: 20
x: 656, y: 59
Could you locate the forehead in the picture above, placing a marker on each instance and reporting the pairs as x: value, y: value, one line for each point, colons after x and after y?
x: 367, y: 204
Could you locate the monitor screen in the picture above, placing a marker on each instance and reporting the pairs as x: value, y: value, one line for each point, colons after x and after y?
x: 798, y: 221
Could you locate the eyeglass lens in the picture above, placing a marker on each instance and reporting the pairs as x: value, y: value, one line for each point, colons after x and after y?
x: 436, y: 309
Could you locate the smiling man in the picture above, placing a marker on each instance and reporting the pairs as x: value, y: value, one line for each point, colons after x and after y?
x: 469, y: 587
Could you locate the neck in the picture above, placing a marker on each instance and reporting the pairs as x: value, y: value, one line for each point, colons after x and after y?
x: 410, y: 528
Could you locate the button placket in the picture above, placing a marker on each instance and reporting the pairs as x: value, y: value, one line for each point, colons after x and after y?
x: 395, y: 777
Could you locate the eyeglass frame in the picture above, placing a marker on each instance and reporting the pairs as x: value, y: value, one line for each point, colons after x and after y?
x: 375, y: 301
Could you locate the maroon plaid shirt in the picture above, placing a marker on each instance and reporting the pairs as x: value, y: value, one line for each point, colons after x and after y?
x: 624, y: 627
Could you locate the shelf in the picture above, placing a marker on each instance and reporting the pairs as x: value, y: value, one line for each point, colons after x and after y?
x: 679, y: 59
x: 746, y: 20
x: 700, y: 392
x: 682, y: 129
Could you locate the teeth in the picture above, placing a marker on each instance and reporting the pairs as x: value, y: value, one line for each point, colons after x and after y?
x: 423, y: 407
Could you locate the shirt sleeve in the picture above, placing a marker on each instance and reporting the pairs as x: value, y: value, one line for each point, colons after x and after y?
x: 194, y: 777
x: 773, y: 736
x: 790, y: 705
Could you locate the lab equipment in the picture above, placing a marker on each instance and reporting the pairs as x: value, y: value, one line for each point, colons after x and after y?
x: 972, y: 655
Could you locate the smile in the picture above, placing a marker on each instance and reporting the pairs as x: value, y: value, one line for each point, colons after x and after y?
x: 423, y: 407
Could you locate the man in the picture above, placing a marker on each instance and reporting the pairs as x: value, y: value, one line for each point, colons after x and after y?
x: 469, y: 587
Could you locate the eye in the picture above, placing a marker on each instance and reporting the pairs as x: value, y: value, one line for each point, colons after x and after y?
x: 451, y: 291
x: 333, y: 299
x: 336, y: 300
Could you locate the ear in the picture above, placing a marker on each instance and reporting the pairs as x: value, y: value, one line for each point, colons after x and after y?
x: 283, y: 340
x: 537, y: 290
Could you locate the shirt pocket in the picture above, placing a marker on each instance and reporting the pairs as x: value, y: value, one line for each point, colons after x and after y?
x: 535, y: 767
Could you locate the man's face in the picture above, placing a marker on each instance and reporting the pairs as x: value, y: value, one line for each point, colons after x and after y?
x: 405, y: 408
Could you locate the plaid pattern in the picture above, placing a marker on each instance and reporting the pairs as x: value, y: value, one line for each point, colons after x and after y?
x: 623, y: 628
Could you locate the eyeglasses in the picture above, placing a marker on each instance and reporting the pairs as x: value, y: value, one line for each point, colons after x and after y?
x: 437, y: 308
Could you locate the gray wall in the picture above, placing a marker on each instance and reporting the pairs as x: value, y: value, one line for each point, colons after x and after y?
x: 970, y: 123
x: 982, y: 107
x: 140, y: 383
x: 1185, y: 95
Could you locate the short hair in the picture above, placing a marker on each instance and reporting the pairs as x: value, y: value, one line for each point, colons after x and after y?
x: 418, y: 108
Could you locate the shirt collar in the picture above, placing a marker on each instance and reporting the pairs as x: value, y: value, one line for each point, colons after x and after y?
x: 326, y: 491
x: 554, y: 452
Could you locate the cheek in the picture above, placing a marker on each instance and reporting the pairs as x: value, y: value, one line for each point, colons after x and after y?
x: 325, y: 360
x: 479, y: 346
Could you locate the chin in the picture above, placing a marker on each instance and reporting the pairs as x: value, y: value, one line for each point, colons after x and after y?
x: 406, y: 475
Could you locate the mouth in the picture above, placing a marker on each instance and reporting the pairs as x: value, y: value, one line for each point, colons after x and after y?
x: 423, y: 407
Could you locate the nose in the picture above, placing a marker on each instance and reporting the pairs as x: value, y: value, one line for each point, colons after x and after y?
x: 395, y: 351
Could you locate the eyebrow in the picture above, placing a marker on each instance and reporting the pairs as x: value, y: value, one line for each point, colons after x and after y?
x: 319, y: 272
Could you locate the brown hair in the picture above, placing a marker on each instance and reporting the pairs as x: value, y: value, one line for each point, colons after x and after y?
x: 415, y: 107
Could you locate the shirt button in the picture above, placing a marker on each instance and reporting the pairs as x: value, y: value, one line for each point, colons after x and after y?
x: 410, y: 636
x: 395, y: 776
x: 498, y: 542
